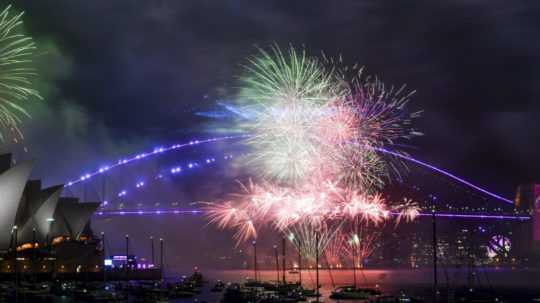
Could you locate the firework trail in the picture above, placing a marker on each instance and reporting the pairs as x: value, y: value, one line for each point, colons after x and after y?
x: 304, y: 235
x: 346, y: 247
x: 334, y: 251
x: 16, y: 51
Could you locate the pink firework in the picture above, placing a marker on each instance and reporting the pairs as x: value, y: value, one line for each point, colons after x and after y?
x: 223, y: 215
x: 335, y: 250
x: 366, y: 208
x: 245, y: 231
x: 338, y: 125
x: 359, y: 243
x: 380, y: 111
x: 407, y: 211
x: 322, y: 208
x: 226, y: 216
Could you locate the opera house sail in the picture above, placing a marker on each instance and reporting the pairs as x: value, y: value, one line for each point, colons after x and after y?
x: 42, y: 226
x: 12, y: 184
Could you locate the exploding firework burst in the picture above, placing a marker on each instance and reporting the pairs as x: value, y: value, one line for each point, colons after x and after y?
x: 16, y: 51
x: 227, y: 216
x: 291, y: 91
x: 322, y: 208
x: 278, y: 77
x: 366, y: 209
x: 315, y: 138
x: 408, y: 211
x: 308, y: 120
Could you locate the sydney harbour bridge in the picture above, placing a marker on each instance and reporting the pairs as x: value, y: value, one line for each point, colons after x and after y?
x: 158, y: 182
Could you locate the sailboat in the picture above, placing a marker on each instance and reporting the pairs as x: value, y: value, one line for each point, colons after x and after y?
x: 353, y: 292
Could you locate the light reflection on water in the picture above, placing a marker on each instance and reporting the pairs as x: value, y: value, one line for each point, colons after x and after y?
x: 415, y: 282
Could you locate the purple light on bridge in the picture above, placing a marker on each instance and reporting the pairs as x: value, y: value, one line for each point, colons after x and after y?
x: 174, y: 170
x: 159, y: 150
x: 444, y: 172
x: 156, y: 151
x: 477, y: 216
x: 147, y: 212
x: 195, y: 212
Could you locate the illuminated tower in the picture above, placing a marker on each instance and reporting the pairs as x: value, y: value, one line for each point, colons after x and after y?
x: 528, y: 200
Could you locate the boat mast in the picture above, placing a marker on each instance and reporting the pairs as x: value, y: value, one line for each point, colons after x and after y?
x: 283, y: 264
x: 152, y: 249
x: 277, y: 264
x: 255, y: 259
x: 161, y: 256
x: 103, y: 252
x: 127, y: 257
x: 434, y: 244
x: 354, y: 265
x: 299, y: 265
x: 317, y: 265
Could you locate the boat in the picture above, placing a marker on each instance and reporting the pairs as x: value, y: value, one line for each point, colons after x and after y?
x: 33, y: 293
x: 354, y: 293
x: 476, y: 296
x: 106, y: 296
x: 276, y: 299
x: 293, y: 271
x: 218, y: 287
x: 62, y: 288
x: 310, y: 293
x: 290, y: 292
x: 235, y: 293
x: 185, y: 287
x: 258, y: 284
x: 196, y: 279
x: 91, y: 294
x: 182, y: 291
x: 394, y: 299
x: 156, y: 295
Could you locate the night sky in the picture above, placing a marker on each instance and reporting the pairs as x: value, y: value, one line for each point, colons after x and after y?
x: 118, y: 76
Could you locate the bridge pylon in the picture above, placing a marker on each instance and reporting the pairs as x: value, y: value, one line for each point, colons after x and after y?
x: 528, y: 199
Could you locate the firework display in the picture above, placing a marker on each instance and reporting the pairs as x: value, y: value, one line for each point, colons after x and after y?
x: 315, y: 136
x: 16, y: 52
x: 321, y: 207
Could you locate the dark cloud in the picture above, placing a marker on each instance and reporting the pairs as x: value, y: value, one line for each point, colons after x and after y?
x: 139, y: 69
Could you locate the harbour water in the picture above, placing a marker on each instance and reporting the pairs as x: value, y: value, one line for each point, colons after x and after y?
x: 417, y: 283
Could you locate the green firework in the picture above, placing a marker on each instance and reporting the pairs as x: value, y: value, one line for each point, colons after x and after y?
x: 16, y: 72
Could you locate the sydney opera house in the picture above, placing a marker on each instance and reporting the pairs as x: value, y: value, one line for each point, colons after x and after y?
x: 40, y: 231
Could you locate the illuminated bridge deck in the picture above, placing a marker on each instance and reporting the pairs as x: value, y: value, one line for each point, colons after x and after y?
x: 131, y: 212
